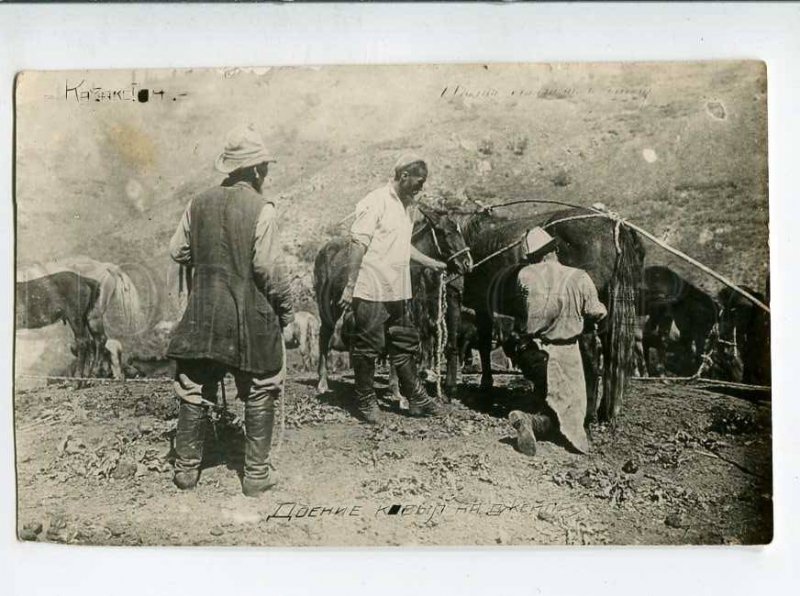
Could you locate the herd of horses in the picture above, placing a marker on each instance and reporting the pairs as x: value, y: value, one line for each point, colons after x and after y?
x: 650, y: 309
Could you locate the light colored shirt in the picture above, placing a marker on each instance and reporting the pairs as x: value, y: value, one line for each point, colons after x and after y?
x: 383, y: 225
x: 558, y: 298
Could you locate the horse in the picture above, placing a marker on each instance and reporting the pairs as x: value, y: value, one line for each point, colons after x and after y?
x: 436, y: 235
x: 613, y: 256
x: 305, y: 334
x: 503, y: 327
x: 745, y: 328
x: 68, y: 297
x: 667, y: 297
x: 118, y: 294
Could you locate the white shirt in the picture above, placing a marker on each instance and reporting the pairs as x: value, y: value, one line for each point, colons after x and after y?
x: 384, y: 225
x: 558, y: 298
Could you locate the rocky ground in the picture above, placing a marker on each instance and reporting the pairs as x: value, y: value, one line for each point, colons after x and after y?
x: 683, y: 466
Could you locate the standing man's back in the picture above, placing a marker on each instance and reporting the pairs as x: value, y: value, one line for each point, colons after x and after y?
x: 238, y: 305
x: 228, y: 317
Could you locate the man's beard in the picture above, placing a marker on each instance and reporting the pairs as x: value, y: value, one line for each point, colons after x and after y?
x: 410, y: 190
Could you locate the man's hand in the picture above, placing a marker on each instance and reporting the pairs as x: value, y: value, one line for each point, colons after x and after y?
x: 427, y: 261
x: 347, y: 296
x: 439, y: 266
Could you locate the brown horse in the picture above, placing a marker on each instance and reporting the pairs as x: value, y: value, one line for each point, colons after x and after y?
x: 437, y: 235
x: 66, y: 297
x: 609, y: 252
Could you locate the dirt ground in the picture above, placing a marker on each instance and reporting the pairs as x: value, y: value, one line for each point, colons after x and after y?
x: 683, y: 466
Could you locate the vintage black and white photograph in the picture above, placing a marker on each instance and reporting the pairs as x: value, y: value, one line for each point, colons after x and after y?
x: 410, y: 305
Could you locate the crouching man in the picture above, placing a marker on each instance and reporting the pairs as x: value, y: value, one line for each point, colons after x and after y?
x: 555, y: 302
x: 238, y: 305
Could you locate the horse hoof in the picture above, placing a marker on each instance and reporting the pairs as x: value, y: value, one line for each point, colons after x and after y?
x: 322, y: 388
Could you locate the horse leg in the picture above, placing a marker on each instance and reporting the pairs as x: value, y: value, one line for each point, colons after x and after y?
x: 304, y: 363
x: 394, y: 387
x: 641, y: 360
x: 662, y: 330
x: 313, y: 347
x: 688, y: 364
x: 325, y: 334
x: 97, y: 333
x: 484, y: 325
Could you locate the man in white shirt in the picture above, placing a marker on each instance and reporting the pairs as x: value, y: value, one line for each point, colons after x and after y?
x: 379, y: 288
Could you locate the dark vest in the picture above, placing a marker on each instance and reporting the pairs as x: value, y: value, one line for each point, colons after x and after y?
x: 227, y: 319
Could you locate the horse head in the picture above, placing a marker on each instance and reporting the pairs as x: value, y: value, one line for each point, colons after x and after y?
x: 447, y: 238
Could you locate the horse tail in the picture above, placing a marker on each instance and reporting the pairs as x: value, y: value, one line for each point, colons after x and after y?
x: 127, y: 297
x: 622, y: 297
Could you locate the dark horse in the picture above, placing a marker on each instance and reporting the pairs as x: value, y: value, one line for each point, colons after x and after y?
x: 745, y: 328
x: 668, y: 298
x: 66, y: 297
x: 586, y: 241
x: 437, y: 235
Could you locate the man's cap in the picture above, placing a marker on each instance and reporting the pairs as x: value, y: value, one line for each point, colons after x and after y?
x: 406, y: 160
x: 244, y: 147
x: 538, y: 241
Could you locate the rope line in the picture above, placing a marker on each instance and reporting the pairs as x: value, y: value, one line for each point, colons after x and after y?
x: 620, y: 221
x: 705, y: 381
x: 441, y: 334
x: 704, y: 268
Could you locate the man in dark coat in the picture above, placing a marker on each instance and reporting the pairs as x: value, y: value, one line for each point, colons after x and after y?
x: 238, y: 306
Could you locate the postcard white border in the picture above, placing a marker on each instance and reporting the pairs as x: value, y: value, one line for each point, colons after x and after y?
x: 91, y: 36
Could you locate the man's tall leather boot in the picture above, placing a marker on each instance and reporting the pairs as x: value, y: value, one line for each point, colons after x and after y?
x: 189, y: 438
x: 366, y: 406
x: 259, y: 420
x: 420, y: 404
x: 529, y: 427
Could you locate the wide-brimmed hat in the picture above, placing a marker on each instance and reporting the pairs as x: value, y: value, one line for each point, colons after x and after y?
x: 244, y: 147
x: 406, y: 160
x: 537, y: 242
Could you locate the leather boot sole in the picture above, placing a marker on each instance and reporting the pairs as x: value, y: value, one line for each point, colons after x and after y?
x: 526, y: 440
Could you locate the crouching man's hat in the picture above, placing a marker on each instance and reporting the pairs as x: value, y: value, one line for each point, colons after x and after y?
x: 538, y: 242
x: 244, y: 147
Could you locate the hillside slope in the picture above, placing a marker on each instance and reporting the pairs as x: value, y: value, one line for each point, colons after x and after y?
x: 679, y: 149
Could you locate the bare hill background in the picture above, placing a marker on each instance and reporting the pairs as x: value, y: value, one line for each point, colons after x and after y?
x: 679, y: 149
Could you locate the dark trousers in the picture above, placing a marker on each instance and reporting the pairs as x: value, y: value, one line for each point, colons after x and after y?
x: 371, y: 324
x: 201, y: 378
x: 385, y: 328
